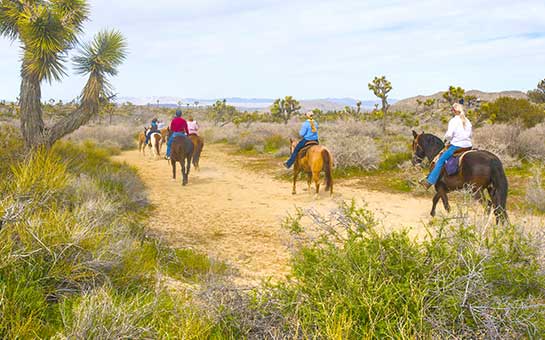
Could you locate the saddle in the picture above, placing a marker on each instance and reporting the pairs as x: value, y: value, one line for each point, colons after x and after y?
x: 307, y: 146
x: 454, y: 163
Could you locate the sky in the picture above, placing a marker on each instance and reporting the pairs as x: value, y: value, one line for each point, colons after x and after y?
x: 309, y: 48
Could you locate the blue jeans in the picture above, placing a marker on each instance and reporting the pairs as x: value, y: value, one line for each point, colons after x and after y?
x: 298, y: 148
x: 433, y: 177
x: 171, y: 139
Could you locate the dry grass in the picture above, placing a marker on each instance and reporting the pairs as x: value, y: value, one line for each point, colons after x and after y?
x: 111, y: 136
x: 535, y: 192
x: 501, y: 140
x: 531, y: 143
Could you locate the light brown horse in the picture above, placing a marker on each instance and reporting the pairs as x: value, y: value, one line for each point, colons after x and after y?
x: 198, y: 144
x: 312, y: 160
x: 165, y: 132
x: 142, y: 140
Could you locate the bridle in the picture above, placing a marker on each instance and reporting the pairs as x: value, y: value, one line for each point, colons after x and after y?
x: 416, y: 146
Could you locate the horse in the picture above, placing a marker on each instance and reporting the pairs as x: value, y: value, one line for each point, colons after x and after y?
x: 181, y: 151
x: 156, y: 139
x: 198, y: 144
x: 165, y: 132
x: 142, y: 140
x: 312, y: 160
x: 479, y: 170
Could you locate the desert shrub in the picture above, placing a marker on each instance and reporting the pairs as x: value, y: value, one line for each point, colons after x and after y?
x: 535, y: 191
x: 350, y: 128
x: 501, y: 140
x: 117, y: 136
x: 512, y: 110
x: 104, y: 314
x: 465, y: 280
x: 72, y: 232
x: 353, y: 151
x: 531, y: 143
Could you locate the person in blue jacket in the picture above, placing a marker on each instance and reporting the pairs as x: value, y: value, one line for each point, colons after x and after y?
x: 154, y: 128
x: 308, y: 132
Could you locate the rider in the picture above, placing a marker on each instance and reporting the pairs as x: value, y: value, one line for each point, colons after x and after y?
x: 154, y: 128
x: 192, y: 126
x: 458, y: 136
x: 178, y: 127
x: 308, y: 132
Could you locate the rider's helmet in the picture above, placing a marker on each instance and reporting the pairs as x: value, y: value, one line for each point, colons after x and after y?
x: 309, y: 114
x: 178, y: 113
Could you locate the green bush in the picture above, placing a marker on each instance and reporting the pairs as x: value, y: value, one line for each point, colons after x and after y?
x: 512, y: 110
x: 463, y: 281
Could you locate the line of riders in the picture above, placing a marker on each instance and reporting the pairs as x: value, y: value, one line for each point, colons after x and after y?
x: 178, y: 127
x: 455, y: 164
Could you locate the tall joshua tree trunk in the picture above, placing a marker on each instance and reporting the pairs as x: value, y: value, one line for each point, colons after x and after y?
x: 32, y: 124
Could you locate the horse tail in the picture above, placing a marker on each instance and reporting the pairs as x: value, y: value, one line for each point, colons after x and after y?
x: 198, y: 150
x: 328, y: 163
x: 499, y: 196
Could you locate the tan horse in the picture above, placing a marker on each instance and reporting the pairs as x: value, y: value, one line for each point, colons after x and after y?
x: 312, y: 160
x: 142, y: 140
x: 198, y: 144
x: 165, y: 132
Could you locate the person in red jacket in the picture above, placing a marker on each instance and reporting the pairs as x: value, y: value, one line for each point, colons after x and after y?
x: 178, y: 127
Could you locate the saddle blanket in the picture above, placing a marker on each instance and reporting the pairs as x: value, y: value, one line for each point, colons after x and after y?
x: 453, y: 164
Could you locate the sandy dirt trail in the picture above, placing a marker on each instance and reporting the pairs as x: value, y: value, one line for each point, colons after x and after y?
x: 235, y: 215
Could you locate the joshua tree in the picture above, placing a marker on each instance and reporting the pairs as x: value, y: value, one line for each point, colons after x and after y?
x: 381, y: 87
x: 454, y: 94
x: 538, y: 95
x: 47, y: 30
x: 284, y: 109
x: 196, y: 102
x: 358, y: 107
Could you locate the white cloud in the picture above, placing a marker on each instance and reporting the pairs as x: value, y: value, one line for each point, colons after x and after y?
x: 216, y: 48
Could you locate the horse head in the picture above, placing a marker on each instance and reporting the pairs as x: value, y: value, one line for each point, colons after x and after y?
x: 418, y: 149
x: 293, y: 144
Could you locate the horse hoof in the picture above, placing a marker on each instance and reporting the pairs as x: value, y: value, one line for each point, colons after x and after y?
x: 432, y: 214
x: 293, y: 192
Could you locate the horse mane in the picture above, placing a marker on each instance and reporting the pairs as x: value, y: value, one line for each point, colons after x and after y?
x: 432, y: 140
x: 432, y: 143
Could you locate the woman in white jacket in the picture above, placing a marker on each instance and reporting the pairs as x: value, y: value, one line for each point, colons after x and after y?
x: 458, y: 136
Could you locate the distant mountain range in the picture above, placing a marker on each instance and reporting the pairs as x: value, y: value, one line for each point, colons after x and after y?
x: 325, y: 104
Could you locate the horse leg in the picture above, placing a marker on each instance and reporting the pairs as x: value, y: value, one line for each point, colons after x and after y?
x: 316, y: 178
x: 173, y: 162
x: 295, y: 174
x: 186, y: 171
x: 182, y: 163
x: 442, y: 191
x: 309, y: 181
x: 434, y: 203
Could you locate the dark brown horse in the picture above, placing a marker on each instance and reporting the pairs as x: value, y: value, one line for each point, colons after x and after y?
x: 312, y: 160
x: 198, y: 144
x: 182, y: 152
x: 479, y: 170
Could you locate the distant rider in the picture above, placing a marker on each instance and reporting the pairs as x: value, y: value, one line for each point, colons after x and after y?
x: 308, y: 132
x: 193, y: 126
x: 154, y: 129
x: 178, y: 127
x: 458, y: 136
